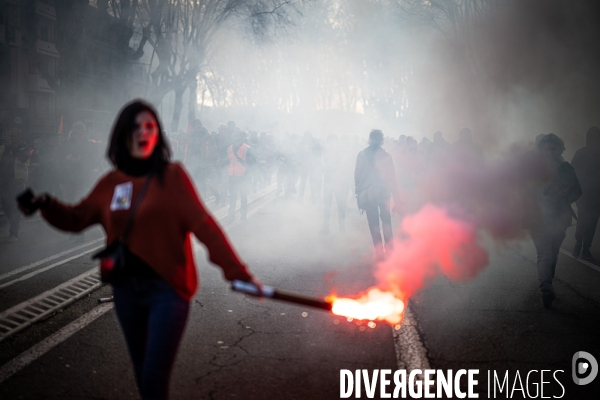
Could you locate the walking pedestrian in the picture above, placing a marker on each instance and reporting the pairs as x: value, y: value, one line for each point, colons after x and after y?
x: 586, y: 163
x: 337, y: 181
x: 548, y: 211
x: 375, y: 182
x: 310, y: 153
x: 13, y: 175
x: 240, y: 159
x: 152, y: 298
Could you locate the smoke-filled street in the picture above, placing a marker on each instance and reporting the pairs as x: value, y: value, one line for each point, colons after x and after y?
x: 238, y: 347
x: 299, y: 199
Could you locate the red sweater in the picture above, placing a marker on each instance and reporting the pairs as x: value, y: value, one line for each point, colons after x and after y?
x: 162, y: 226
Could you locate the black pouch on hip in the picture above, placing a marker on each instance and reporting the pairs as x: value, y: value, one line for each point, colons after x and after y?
x: 112, y: 257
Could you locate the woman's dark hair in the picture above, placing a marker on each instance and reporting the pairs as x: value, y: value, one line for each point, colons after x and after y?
x: 122, y: 131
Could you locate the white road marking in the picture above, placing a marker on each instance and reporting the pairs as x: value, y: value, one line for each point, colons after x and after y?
x: 29, y: 356
x: 41, y: 348
x: 411, y: 353
x: 26, y: 313
x: 39, y: 271
x: 45, y: 260
x: 584, y: 262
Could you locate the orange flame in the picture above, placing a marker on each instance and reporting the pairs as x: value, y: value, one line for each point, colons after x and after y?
x: 375, y: 305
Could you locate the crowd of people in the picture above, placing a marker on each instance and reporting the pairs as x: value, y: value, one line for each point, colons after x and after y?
x: 228, y: 164
x: 157, y: 279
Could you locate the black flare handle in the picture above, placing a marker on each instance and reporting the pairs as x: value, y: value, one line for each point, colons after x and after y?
x: 276, y: 294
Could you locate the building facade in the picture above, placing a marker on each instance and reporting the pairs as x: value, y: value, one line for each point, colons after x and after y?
x: 60, y: 63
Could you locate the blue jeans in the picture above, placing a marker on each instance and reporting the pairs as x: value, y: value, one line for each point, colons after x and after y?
x: 374, y: 212
x: 586, y: 226
x: 238, y: 185
x: 8, y: 194
x: 547, y: 245
x: 153, y: 317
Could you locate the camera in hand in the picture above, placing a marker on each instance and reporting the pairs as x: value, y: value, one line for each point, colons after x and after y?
x: 25, y: 200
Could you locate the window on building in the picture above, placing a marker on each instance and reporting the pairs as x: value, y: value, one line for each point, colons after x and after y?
x: 46, y: 29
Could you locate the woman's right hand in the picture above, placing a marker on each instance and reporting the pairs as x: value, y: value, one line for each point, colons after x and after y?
x: 36, y: 202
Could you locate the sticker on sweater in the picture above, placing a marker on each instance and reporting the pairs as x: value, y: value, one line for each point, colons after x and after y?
x: 122, y: 197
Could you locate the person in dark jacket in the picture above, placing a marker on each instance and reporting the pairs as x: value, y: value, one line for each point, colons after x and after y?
x: 222, y: 141
x: 586, y: 163
x: 466, y: 150
x: 549, y: 213
x: 78, y: 159
x: 310, y: 154
x: 375, y: 182
x: 337, y: 181
x: 201, y: 159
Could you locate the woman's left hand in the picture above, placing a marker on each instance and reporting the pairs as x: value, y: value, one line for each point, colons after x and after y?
x: 258, y: 284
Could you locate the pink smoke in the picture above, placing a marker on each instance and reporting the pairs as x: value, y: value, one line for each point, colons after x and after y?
x: 433, y: 243
x: 459, y: 199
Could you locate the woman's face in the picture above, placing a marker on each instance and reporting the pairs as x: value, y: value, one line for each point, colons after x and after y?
x: 145, y: 136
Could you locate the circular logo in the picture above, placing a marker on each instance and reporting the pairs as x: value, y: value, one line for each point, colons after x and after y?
x: 585, y: 368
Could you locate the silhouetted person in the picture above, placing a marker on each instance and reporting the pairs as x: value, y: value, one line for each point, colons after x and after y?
x: 375, y: 181
x: 310, y: 166
x: 223, y: 141
x: 200, y: 158
x: 78, y: 161
x: 466, y: 149
x: 410, y: 167
x: 439, y: 144
x: 337, y: 181
x: 548, y: 213
x: 439, y: 153
x: 586, y: 163
x: 38, y: 166
x: 240, y: 160
x: 13, y: 175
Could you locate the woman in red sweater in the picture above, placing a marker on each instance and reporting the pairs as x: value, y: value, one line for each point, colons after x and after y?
x: 152, y: 300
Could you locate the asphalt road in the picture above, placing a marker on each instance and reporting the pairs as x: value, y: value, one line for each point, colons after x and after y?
x: 239, y: 347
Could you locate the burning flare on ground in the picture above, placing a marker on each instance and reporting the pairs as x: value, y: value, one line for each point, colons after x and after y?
x: 375, y: 305
x: 432, y: 243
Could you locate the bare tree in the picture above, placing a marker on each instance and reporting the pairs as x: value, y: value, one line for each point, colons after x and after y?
x: 183, y: 33
x: 329, y: 62
x: 459, y: 21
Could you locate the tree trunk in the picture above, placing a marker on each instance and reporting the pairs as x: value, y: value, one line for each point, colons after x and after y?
x: 193, y: 100
x: 177, y: 107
